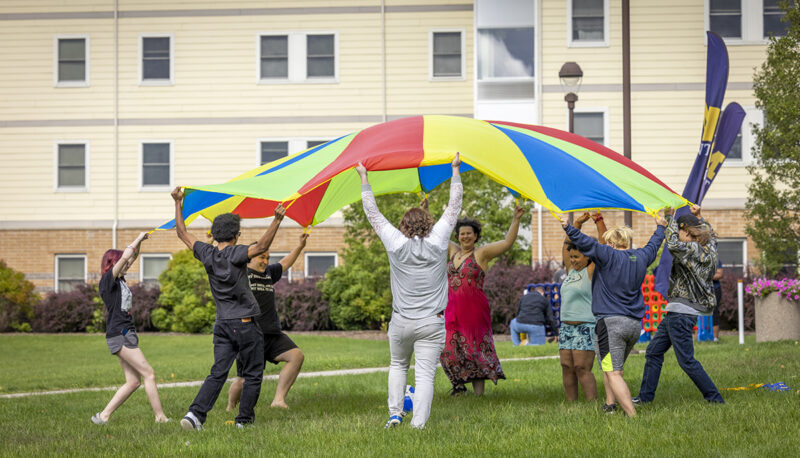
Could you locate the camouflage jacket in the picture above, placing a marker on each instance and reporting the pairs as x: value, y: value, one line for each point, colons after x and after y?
x: 691, y: 281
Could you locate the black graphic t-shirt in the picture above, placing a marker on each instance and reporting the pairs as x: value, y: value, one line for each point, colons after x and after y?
x: 262, y: 285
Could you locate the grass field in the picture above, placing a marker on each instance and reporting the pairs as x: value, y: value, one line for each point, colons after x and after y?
x: 343, y: 415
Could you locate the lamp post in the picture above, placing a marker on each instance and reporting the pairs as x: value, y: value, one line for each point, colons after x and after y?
x: 571, y: 76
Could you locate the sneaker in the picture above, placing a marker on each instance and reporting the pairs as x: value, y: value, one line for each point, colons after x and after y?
x: 637, y: 400
x: 394, y: 420
x: 245, y: 425
x: 97, y: 420
x: 458, y: 390
x: 609, y: 408
x: 408, y: 401
x: 190, y: 422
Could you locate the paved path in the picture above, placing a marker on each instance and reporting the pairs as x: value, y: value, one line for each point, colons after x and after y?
x: 366, y: 370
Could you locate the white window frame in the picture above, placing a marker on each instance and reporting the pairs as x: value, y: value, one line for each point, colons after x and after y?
x: 144, y: 256
x: 281, y: 254
x: 296, y: 145
x: 156, y: 188
x: 297, y: 57
x: 604, y: 111
x: 86, y: 80
x: 160, y: 81
x: 463, y: 76
x: 744, y: 249
x: 753, y: 116
x: 68, y: 256
x: 85, y: 187
x: 319, y: 253
x: 752, y: 23
x: 604, y: 43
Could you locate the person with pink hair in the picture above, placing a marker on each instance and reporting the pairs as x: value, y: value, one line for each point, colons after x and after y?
x: 121, y: 334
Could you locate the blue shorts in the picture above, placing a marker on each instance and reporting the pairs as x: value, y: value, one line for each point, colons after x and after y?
x: 576, y: 336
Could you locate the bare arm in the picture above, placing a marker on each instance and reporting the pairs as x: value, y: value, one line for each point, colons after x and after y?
x: 564, y: 251
x: 180, y: 226
x: 129, y: 255
x: 290, y: 258
x: 265, y: 241
x: 488, y: 252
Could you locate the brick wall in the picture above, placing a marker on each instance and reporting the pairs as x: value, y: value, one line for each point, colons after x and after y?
x: 33, y: 251
x: 727, y: 224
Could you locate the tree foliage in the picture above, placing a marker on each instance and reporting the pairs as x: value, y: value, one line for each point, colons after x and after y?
x: 185, y: 302
x: 774, y: 193
x: 17, y: 299
x: 359, y: 292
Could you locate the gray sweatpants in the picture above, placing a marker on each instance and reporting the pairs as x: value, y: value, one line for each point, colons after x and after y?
x: 425, y: 339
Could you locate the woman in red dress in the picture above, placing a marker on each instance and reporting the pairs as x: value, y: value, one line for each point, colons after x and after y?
x: 469, y: 355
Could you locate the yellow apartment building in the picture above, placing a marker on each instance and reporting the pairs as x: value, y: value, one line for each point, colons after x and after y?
x: 109, y: 104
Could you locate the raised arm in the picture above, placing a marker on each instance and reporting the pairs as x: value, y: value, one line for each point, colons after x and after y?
x: 564, y: 251
x: 490, y: 251
x: 290, y: 258
x: 440, y: 234
x: 391, y: 237
x: 601, y: 227
x: 587, y: 245
x: 265, y: 241
x: 129, y: 255
x: 180, y: 227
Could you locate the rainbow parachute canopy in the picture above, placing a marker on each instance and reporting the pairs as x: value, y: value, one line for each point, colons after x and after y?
x: 561, y: 171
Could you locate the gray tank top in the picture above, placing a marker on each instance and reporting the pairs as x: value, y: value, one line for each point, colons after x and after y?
x: 576, y: 296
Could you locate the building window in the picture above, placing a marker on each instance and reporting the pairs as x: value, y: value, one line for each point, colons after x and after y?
x: 297, y: 57
x: 275, y: 258
x: 591, y: 126
x: 746, y: 22
x: 72, y: 61
x: 725, y: 18
x: 773, y: 13
x: 273, y: 150
x: 732, y: 253
x: 319, y: 263
x: 739, y: 153
x: 72, y: 166
x: 320, y: 56
x: 70, y: 271
x: 447, y: 55
x: 156, y: 165
x: 274, y: 56
x: 156, y: 59
x: 588, y: 21
x: 505, y: 53
x: 151, y: 266
x: 312, y: 143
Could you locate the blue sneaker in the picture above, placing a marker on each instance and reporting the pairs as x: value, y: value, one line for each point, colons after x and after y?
x: 408, y: 401
x: 394, y: 420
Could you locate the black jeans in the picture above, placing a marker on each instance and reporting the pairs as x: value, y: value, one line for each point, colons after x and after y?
x: 232, y: 337
x: 675, y: 331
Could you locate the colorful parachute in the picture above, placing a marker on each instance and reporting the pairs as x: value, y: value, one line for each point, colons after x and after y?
x: 561, y: 171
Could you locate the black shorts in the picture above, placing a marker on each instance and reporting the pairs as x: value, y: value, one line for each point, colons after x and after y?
x: 274, y: 346
x: 718, y: 296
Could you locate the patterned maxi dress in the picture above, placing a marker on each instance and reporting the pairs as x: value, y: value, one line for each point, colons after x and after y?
x: 469, y: 352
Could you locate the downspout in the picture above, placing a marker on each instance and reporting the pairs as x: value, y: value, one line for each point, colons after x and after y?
x: 538, y: 69
x: 383, y: 56
x: 115, y: 225
x: 539, y: 230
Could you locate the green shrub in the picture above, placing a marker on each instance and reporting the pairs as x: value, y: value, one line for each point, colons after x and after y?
x: 17, y: 300
x: 185, y: 302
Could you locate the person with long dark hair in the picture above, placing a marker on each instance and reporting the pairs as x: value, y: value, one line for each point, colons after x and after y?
x: 121, y: 337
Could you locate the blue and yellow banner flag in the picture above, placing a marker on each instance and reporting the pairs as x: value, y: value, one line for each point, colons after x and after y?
x: 716, y: 83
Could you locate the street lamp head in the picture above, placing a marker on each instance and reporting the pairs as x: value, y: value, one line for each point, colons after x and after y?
x: 570, y: 76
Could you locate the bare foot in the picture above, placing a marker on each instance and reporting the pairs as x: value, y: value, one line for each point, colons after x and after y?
x: 230, y: 408
x: 279, y: 404
x: 163, y: 419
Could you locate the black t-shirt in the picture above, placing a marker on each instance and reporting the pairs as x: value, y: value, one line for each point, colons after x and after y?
x: 261, y: 283
x: 111, y: 293
x: 227, y: 275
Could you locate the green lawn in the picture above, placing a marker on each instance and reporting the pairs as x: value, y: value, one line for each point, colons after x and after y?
x: 344, y: 415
